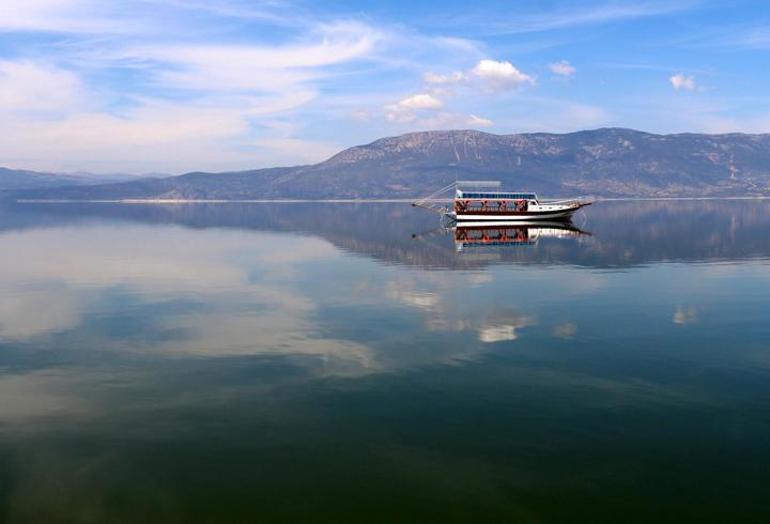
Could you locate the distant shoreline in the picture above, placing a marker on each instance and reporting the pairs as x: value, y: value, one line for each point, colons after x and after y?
x: 344, y: 200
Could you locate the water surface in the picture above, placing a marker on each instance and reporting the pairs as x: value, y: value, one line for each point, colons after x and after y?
x: 315, y: 362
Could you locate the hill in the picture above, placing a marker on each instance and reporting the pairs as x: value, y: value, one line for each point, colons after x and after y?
x: 607, y: 162
x: 20, y: 179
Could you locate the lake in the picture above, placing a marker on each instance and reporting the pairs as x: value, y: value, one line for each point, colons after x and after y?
x: 355, y: 362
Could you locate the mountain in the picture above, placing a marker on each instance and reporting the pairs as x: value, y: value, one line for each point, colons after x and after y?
x: 18, y: 179
x: 607, y: 162
x: 11, y: 179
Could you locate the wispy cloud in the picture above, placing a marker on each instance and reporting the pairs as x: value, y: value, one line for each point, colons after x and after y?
x: 66, y: 16
x: 449, y: 78
x: 573, y: 16
x: 747, y: 35
x: 199, y: 97
x: 27, y: 89
x: 142, y: 16
x: 230, y: 84
x: 246, y: 67
x: 758, y: 37
x: 209, y: 79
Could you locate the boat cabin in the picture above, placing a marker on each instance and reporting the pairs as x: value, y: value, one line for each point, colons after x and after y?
x: 492, y: 201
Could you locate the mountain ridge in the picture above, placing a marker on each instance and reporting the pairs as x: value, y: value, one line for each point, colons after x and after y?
x: 22, y: 179
x: 615, y: 162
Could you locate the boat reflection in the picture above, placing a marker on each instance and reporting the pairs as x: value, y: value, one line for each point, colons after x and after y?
x: 473, y: 235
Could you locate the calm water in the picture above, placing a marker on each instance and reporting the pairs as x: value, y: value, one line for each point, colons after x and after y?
x: 244, y: 363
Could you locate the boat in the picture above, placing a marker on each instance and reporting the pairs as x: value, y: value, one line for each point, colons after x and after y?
x: 482, y: 201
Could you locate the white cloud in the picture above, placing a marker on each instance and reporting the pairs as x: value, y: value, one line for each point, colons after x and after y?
x: 219, y: 93
x: 29, y: 87
x: 497, y: 74
x: 65, y: 16
x: 420, y: 101
x: 477, y: 121
x: 403, y: 111
x: 488, y: 75
x: 438, y: 79
x: 400, y: 117
x: 680, y: 81
x: 360, y: 115
x: 562, y: 68
x: 501, y: 75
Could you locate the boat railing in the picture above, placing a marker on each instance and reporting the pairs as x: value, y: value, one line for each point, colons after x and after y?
x: 576, y: 200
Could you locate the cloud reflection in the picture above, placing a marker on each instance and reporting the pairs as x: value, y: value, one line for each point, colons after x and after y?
x: 565, y: 330
x: 25, y: 314
x: 685, y: 315
x: 29, y: 396
x: 235, y: 284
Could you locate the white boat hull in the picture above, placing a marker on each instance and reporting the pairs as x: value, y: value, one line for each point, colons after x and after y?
x: 502, y: 219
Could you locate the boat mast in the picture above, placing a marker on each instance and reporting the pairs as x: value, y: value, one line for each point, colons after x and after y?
x: 432, y: 202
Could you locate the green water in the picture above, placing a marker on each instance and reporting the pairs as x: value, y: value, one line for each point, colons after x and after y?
x: 306, y: 363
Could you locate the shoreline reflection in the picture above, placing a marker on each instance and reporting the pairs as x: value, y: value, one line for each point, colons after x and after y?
x: 623, y: 234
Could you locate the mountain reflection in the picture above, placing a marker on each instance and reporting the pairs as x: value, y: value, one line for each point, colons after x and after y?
x: 623, y: 234
x: 279, y: 279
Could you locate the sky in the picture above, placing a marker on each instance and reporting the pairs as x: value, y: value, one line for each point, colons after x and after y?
x: 169, y: 86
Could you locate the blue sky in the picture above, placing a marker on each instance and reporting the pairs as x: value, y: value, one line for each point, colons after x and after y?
x: 177, y: 85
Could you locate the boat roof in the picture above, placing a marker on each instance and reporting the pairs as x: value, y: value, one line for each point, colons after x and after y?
x: 496, y: 194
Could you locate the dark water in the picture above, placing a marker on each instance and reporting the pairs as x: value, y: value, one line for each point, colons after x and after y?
x: 308, y: 362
